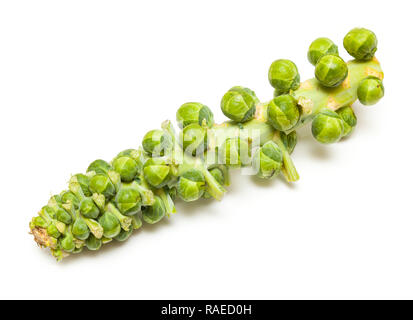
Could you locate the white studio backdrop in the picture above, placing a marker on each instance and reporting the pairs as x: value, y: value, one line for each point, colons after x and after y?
x: 82, y: 80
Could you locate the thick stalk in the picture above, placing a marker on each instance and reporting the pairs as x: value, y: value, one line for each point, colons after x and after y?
x: 313, y: 97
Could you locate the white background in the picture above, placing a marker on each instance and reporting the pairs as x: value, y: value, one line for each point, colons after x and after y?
x: 81, y: 80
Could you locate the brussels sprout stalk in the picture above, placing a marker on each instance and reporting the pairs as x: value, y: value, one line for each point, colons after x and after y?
x: 110, y: 199
x: 314, y: 97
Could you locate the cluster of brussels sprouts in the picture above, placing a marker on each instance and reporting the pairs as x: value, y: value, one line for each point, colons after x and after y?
x: 331, y: 71
x: 112, y: 199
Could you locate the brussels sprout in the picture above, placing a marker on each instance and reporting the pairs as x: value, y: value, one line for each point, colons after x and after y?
x: 319, y: 48
x: 361, y: 43
x: 128, y: 200
x: 46, y: 219
x: 239, y: 104
x: 83, y: 180
x: 53, y: 231
x: 111, y: 225
x: 93, y: 243
x: 283, y: 112
x: 283, y: 76
x: 235, y: 152
x: 63, y: 216
x: 99, y: 167
x: 191, y: 185
x: 349, y: 118
x: 124, y: 235
x: 289, y: 140
x: 146, y: 193
x: 126, y: 167
x: 157, y: 143
x: 156, y: 172
x: 58, y: 254
x: 172, y: 192
x: 268, y: 160
x: 95, y: 228
x: 67, y: 243
x: 327, y: 127
x: 193, y: 139
x: 331, y: 70
x: 103, y: 185
x: 125, y: 222
x: 88, y: 208
x: 48, y: 213
x: 370, y: 90
x: 40, y: 222
x: 135, y: 154
x: 218, y: 175
x: 70, y: 197
x: 194, y: 112
x: 155, y: 213
x: 80, y: 229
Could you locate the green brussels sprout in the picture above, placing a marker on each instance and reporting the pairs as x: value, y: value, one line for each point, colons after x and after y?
x: 361, y: 44
x: 218, y: 175
x: 103, y: 185
x: 99, y: 167
x: 53, y: 231
x: 125, y: 221
x: 40, y: 222
x: 349, y: 118
x: 80, y: 229
x: 67, y: 243
x: 283, y: 76
x: 88, y: 208
x: 194, y: 112
x: 83, y: 180
x: 128, y: 200
x: 111, y: 225
x: 93, y: 243
x: 154, y: 213
x: 138, y: 155
x: 70, y: 197
x: 48, y: 211
x: 57, y: 253
x: 331, y: 70
x: 370, y: 90
x: 268, y: 160
x: 235, y: 152
x: 327, y: 127
x: 319, y: 48
x: 191, y: 185
x: 239, y: 104
x: 221, y: 175
x: 172, y: 192
x: 126, y: 167
x: 283, y: 112
x: 156, y: 172
x: 133, y: 153
x: 289, y: 140
x: 124, y: 235
x: 63, y: 216
x: 156, y: 143
x: 193, y: 139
